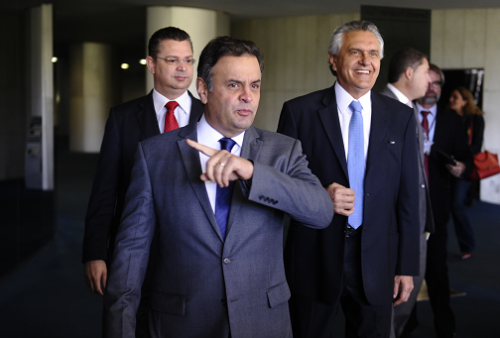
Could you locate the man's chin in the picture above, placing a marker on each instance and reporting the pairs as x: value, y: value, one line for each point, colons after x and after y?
x: 429, y: 100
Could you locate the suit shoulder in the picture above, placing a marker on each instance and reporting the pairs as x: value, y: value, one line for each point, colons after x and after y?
x: 275, y: 139
x: 131, y: 106
x: 163, y: 139
x: 391, y: 106
x: 316, y: 96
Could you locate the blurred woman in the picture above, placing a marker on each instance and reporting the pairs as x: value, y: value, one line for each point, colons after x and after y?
x: 462, y: 102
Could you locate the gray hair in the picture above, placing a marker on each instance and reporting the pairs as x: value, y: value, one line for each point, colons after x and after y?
x: 338, y: 35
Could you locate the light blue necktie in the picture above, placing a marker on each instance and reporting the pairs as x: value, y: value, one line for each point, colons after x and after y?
x: 356, y: 163
x: 223, y: 195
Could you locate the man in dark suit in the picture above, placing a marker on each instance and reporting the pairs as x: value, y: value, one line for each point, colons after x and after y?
x: 443, y: 134
x: 367, y: 262
x: 217, y: 206
x: 170, y: 61
x: 408, y: 81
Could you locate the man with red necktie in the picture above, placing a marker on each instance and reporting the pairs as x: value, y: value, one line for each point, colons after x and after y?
x: 443, y: 134
x: 167, y: 107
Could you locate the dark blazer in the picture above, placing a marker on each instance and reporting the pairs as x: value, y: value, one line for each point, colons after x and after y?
x: 449, y: 137
x: 390, y: 236
x: 206, y: 285
x: 127, y: 125
x: 426, y: 216
x: 477, y: 131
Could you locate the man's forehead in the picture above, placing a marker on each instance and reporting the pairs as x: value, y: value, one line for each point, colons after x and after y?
x: 238, y: 66
x: 360, y: 37
x: 171, y: 45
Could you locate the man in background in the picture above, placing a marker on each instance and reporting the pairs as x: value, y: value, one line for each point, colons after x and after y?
x: 168, y: 106
x: 446, y: 155
x: 408, y: 81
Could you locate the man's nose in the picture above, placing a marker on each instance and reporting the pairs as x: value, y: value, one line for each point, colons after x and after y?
x: 246, y: 94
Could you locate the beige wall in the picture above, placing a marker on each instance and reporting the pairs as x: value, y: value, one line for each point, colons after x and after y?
x: 295, y: 51
x: 295, y: 58
x: 466, y: 38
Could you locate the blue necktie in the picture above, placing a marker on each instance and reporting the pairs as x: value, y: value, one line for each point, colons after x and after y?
x: 223, y: 196
x: 356, y: 163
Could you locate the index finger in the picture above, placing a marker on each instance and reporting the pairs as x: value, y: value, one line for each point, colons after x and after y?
x: 200, y: 147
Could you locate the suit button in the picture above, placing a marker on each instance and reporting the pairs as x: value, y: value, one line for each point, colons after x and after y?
x: 226, y: 261
x: 261, y: 197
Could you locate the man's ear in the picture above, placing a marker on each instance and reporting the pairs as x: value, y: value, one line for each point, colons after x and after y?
x: 202, y: 89
x: 150, y: 62
x: 409, y: 73
x: 332, y: 58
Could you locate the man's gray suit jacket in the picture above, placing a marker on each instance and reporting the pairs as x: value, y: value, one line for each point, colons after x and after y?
x: 207, y: 286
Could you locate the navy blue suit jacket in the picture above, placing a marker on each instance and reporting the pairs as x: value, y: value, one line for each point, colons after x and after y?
x: 128, y: 124
x: 390, y: 236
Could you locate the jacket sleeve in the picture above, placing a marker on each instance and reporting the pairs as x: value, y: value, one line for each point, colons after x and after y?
x: 102, y: 202
x: 477, y: 134
x: 131, y: 254
x: 407, y: 207
x: 295, y: 190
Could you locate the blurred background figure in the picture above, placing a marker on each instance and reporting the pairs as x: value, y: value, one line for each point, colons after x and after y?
x: 462, y: 102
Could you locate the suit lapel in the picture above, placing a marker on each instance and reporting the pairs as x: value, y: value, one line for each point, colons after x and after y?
x: 378, y: 129
x: 250, y: 150
x: 147, y: 117
x: 191, y: 160
x: 330, y: 119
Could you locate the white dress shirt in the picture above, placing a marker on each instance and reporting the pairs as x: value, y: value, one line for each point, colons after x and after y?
x: 210, y: 137
x: 431, y: 119
x: 181, y: 112
x: 401, y: 97
x: 344, y: 99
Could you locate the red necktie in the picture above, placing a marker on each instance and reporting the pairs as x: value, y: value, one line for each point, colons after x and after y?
x: 170, y: 121
x: 425, y: 125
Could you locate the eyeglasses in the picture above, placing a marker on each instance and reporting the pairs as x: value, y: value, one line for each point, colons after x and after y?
x: 436, y: 84
x: 176, y: 61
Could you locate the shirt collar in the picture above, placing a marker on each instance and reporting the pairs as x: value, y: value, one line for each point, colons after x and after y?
x: 401, y: 97
x: 432, y: 110
x: 160, y: 101
x: 210, y: 137
x: 344, y: 99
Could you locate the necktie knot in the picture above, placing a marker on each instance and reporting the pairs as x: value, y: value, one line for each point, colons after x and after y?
x: 355, y: 106
x: 425, y: 113
x: 226, y: 144
x: 171, y: 105
x: 170, y: 120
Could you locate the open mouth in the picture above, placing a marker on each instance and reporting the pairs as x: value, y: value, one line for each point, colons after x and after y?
x: 362, y: 71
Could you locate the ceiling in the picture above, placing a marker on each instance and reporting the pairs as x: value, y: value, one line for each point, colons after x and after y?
x: 122, y: 22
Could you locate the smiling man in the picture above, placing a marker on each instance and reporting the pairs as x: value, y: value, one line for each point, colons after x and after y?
x: 362, y: 147
x: 215, y: 194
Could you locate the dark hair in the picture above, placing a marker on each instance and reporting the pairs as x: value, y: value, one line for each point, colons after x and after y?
x: 402, y: 60
x: 337, y: 37
x: 225, y: 46
x: 438, y: 71
x: 168, y: 33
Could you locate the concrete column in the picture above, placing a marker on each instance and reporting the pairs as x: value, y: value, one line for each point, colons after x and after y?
x: 40, y: 143
x: 91, y: 94
x: 201, y: 24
